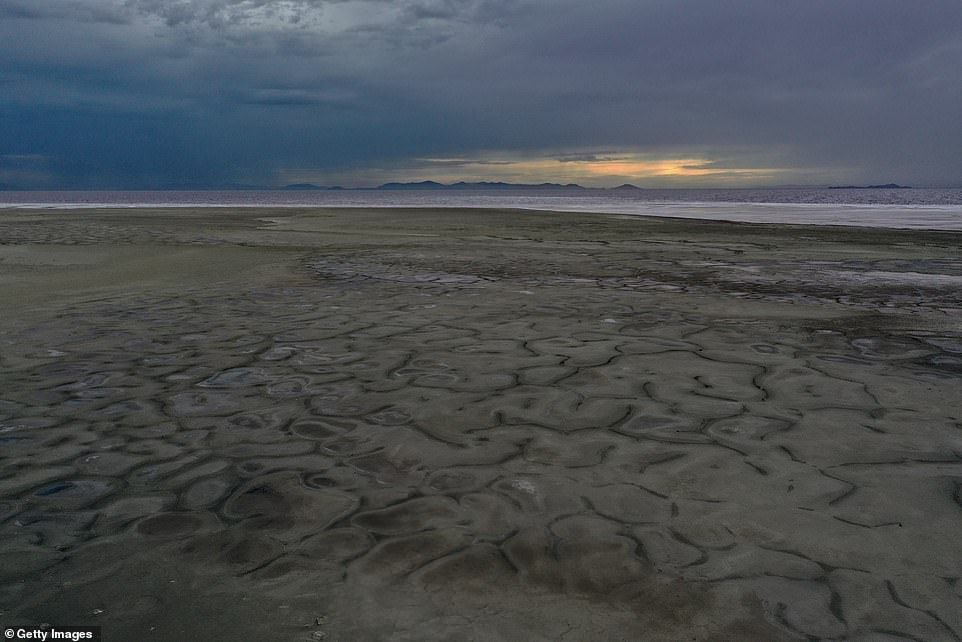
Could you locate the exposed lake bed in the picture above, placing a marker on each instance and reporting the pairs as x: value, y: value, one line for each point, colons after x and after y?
x: 478, y: 424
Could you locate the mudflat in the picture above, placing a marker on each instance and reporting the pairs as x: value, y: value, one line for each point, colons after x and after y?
x: 477, y: 425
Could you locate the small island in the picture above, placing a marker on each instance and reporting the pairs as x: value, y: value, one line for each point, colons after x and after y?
x: 304, y: 187
x: 460, y: 185
x: 886, y: 186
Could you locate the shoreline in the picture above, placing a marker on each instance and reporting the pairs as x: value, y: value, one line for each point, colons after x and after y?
x: 919, y: 216
x: 246, y: 210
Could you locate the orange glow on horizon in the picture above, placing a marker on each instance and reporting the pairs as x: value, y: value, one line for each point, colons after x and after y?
x: 625, y: 168
x: 590, y: 170
x: 679, y: 167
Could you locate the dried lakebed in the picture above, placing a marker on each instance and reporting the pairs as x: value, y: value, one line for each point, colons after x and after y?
x: 478, y: 425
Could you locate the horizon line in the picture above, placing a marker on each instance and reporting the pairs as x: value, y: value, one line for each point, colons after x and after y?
x: 411, y: 185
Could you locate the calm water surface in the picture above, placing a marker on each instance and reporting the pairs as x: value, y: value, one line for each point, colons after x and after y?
x: 898, y: 208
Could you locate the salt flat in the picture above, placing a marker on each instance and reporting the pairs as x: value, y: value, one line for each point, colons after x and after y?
x: 478, y: 425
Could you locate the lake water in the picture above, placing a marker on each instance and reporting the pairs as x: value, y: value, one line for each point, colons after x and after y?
x: 897, y: 208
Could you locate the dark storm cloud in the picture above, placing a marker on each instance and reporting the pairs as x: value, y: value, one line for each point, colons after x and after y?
x: 427, y: 163
x: 300, y: 97
x: 155, y: 92
x: 588, y: 157
x: 80, y: 11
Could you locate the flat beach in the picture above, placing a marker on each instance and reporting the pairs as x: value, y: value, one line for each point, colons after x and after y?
x: 409, y: 424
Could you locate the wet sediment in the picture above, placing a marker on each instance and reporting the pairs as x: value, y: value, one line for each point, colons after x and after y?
x: 365, y: 425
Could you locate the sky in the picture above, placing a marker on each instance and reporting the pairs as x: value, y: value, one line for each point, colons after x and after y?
x: 154, y: 94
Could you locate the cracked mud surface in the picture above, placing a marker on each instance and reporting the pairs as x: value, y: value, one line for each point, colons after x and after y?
x: 478, y: 425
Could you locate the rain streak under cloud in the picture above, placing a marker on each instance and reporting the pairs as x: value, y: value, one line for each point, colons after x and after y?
x: 161, y: 93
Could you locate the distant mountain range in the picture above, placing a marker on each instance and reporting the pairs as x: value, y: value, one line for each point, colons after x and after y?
x: 886, y: 186
x: 420, y: 185
x: 461, y: 185
x: 434, y: 185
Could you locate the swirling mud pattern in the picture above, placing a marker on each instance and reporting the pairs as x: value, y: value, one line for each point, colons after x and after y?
x: 478, y: 425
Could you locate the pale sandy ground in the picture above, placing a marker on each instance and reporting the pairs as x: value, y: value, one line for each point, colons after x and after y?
x: 478, y: 425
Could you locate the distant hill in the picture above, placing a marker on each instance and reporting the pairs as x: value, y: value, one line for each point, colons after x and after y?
x: 419, y: 185
x: 501, y: 185
x: 886, y: 186
x: 302, y: 187
x: 459, y: 186
x: 310, y: 187
x: 490, y: 185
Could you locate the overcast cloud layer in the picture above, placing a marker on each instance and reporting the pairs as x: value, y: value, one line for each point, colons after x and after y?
x: 162, y: 93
